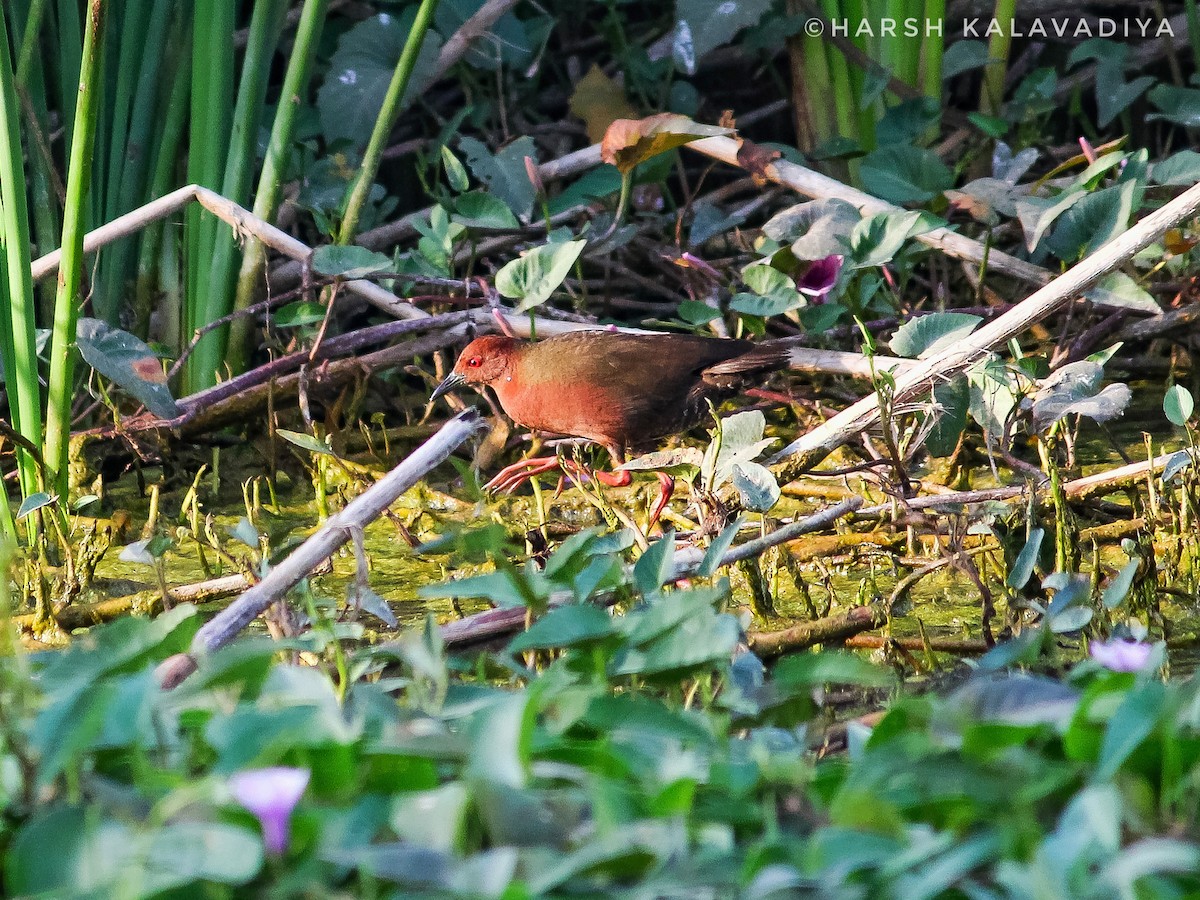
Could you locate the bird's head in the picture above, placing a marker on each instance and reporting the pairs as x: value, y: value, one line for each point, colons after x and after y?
x: 483, y: 361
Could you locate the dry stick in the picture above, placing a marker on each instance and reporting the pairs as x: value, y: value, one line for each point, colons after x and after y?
x: 957, y: 646
x: 814, y: 184
x: 814, y: 446
x: 471, y: 30
x: 494, y: 622
x: 326, y: 375
x: 1077, y: 489
x: 822, y: 631
x: 237, y: 217
x: 85, y: 615
x: 360, y: 511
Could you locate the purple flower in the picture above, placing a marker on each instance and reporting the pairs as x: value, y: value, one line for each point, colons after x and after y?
x: 271, y: 794
x: 820, y: 277
x: 1121, y: 656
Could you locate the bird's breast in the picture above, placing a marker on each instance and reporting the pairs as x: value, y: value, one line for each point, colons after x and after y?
x: 562, y: 405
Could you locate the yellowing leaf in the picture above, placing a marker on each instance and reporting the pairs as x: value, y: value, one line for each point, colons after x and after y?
x: 599, y: 100
x: 628, y: 142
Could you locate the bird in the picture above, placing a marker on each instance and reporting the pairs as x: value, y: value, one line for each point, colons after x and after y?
x: 622, y: 390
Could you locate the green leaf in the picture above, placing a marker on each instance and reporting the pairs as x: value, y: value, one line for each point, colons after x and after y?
x: 703, y: 25
x: 926, y: 336
x: 1176, y: 463
x: 953, y: 401
x: 702, y: 638
x: 480, y: 210
x: 905, y: 174
x: 694, y: 312
x: 575, y: 625
x: 1119, y: 291
x: 435, y: 819
x: 812, y: 670
x: 756, y: 485
x: 1117, y: 589
x: 532, y: 278
x: 1092, y: 222
x: 1182, y: 169
x: 1133, y: 722
x: 306, y: 442
x: 306, y: 312
x: 500, y: 741
x: 456, y: 173
x: 128, y: 362
x: 349, y: 261
x: 816, y: 229
x: 1037, y: 214
x: 1177, y: 104
x: 1016, y: 699
x: 361, y: 70
x: 504, y: 587
x: 655, y: 567
x: 34, y: 502
x: 245, y: 532
x: 1177, y: 404
x: 191, y: 853
x: 717, y: 549
x: 1022, y: 569
x: 504, y: 171
x: 963, y: 56
x: 877, y: 240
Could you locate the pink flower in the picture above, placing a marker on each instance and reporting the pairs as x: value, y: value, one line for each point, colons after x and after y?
x: 820, y: 277
x: 1121, y: 656
x: 271, y: 794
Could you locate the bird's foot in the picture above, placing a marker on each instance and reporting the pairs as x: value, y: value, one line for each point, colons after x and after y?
x: 512, y: 477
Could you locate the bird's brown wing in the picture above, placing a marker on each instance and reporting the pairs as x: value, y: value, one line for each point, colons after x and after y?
x: 653, y: 385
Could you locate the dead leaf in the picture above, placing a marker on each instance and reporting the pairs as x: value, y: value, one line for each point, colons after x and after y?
x: 756, y: 159
x: 1177, y: 243
x: 599, y: 100
x: 976, y: 207
x: 628, y: 142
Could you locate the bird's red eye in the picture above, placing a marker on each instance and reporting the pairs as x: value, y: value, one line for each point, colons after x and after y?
x: 474, y: 362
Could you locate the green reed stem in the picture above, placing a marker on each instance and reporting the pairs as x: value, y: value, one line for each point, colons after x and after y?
x: 208, y: 133
x: 283, y: 131
x: 18, y: 343
x: 392, y: 106
x: 266, y: 23
x: 70, y: 278
x: 997, y: 67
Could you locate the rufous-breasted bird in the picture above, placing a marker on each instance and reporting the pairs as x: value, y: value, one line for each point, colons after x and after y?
x: 622, y: 390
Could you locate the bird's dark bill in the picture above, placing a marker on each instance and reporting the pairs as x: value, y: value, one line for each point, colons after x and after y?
x: 449, y: 383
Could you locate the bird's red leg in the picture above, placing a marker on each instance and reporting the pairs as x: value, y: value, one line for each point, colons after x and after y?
x: 666, y: 488
x: 620, y: 478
